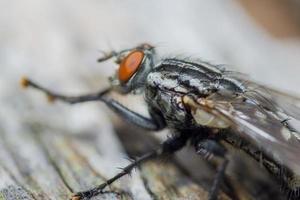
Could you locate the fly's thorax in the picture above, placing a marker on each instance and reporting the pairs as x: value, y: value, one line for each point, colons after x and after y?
x: 171, y: 80
x: 179, y: 80
x: 164, y: 91
x: 170, y: 106
x: 200, y: 79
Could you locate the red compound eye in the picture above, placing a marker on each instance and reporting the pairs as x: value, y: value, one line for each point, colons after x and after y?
x: 130, y: 65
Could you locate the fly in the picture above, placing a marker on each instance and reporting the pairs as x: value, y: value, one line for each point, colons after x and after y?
x: 204, y: 105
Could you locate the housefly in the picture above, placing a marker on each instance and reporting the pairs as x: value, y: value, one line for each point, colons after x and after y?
x: 203, y: 105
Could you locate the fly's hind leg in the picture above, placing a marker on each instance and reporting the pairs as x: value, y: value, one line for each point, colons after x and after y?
x: 168, y: 147
x: 218, y: 179
x: 210, y: 149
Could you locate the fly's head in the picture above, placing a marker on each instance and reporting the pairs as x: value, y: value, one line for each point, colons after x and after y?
x: 134, y: 66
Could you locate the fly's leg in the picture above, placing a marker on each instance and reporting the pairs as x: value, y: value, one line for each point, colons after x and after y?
x: 168, y: 147
x: 52, y: 96
x: 209, y: 149
x: 153, y: 123
x: 214, y: 190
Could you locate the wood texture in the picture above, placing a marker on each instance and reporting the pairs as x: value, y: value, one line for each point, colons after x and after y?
x: 45, y: 163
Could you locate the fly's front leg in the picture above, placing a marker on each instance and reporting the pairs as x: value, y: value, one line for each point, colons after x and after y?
x: 210, y: 149
x: 52, y: 96
x: 154, y: 123
x: 168, y: 147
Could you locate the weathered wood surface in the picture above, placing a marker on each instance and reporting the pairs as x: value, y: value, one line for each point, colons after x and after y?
x: 48, y: 152
x: 41, y: 162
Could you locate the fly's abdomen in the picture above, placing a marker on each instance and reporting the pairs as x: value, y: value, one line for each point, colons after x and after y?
x: 288, y: 180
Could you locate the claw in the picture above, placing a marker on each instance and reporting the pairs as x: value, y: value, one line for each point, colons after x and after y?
x: 76, y: 197
x: 50, y: 98
x: 85, y: 195
x: 80, y: 196
x: 24, y: 82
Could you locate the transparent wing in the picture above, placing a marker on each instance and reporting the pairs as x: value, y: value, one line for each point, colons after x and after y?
x: 258, y: 126
x: 283, y: 102
x: 268, y: 97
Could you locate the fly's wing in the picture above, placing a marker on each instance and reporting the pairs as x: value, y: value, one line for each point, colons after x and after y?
x: 286, y: 103
x: 267, y: 97
x: 258, y: 126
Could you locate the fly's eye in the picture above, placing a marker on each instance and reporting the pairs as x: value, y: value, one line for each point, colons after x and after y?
x: 130, y: 65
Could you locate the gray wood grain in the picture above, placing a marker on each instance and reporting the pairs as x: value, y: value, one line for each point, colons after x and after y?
x: 50, y: 164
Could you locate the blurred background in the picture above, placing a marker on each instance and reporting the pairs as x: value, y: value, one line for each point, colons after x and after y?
x: 57, y: 44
